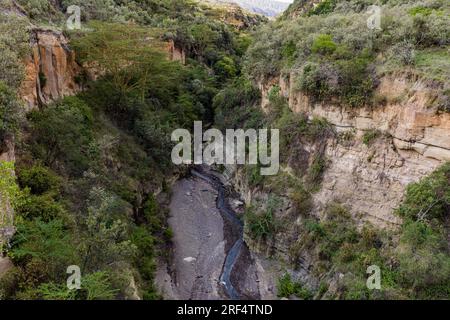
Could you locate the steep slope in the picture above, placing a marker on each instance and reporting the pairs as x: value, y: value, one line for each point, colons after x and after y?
x: 363, y: 118
x: 85, y: 133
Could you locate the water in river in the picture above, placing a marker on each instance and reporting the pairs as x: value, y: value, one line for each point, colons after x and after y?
x: 210, y: 257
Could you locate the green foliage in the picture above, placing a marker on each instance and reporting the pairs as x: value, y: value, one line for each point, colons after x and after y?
x: 254, y: 176
x: 265, y: 225
x: 84, y: 159
x: 316, y: 169
x: 421, y: 10
x: 337, y: 56
x: 97, y: 286
x: 335, y: 231
x: 41, y: 206
x: 127, y: 72
x: 323, y: 7
x: 274, y: 94
x: 314, y: 81
x: 52, y: 291
x: 288, y: 51
x: 94, y: 286
x: 286, y: 288
x: 225, y: 68
x: 9, y: 113
x: 43, y: 250
x: 10, y: 196
x: 105, y: 238
x: 61, y: 134
x: 151, y: 210
x: 424, y: 260
x: 14, y: 38
x: 416, y: 266
x: 39, y: 9
x: 370, y: 136
x: 235, y: 106
x: 323, y: 44
x: 39, y: 179
x: 429, y: 198
x: 346, y: 78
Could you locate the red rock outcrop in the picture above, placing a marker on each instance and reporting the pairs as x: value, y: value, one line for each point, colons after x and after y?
x: 51, y: 69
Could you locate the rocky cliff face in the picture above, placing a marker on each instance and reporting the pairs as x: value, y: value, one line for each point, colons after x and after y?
x: 412, y: 139
x: 176, y: 53
x: 51, y: 69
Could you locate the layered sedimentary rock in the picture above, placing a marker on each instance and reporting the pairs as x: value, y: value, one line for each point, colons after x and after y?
x: 176, y: 53
x: 413, y: 139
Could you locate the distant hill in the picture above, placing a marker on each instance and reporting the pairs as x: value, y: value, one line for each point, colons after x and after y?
x: 268, y: 8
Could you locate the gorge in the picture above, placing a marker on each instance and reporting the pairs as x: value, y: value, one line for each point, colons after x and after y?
x: 86, y: 176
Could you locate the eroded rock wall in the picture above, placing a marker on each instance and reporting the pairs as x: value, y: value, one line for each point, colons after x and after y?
x: 51, y: 69
x: 413, y: 140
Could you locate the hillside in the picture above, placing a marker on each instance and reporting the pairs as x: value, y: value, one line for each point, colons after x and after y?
x: 364, y: 121
x: 85, y: 133
x: 360, y: 96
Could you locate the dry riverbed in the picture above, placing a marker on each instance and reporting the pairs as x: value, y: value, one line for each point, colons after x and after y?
x: 202, y: 238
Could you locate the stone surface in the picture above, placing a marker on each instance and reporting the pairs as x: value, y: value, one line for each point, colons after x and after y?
x: 372, y: 180
x: 51, y: 69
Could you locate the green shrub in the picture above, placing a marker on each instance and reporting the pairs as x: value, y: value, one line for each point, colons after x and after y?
x: 8, y: 187
x: 318, y: 81
x: 43, y: 250
x: 265, y: 225
x: 324, y: 45
x: 301, y: 200
x: 9, y: 113
x: 225, y: 68
x: 260, y: 226
x: 420, y: 10
x: 316, y: 170
x: 152, y: 213
x: 370, y: 136
x: 14, y: 46
x: 424, y: 263
x: 429, y: 198
x: 289, y: 50
x: 39, y: 179
x: 62, y: 133
x: 254, y: 176
x: 97, y: 286
x: 323, y: 7
x: 286, y: 288
x: 41, y: 206
x: 40, y: 9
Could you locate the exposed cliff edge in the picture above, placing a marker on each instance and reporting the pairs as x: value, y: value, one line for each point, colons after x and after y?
x: 413, y: 141
x: 51, y: 69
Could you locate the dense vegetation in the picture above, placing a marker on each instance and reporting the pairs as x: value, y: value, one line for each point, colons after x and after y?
x: 91, y: 169
x: 334, y: 56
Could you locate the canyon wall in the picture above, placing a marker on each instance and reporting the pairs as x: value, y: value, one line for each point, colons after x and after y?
x: 413, y: 139
x: 51, y: 69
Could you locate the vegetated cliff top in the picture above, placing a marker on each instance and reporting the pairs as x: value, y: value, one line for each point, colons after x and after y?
x: 333, y: 52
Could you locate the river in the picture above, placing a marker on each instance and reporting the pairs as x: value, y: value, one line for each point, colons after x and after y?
x: 210, y: 258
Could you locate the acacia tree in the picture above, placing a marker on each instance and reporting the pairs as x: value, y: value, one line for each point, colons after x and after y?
x: 130, y: 58
x: 104, y: 237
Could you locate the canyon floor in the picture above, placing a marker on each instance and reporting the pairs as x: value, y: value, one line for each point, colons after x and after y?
x: 202, y: 239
